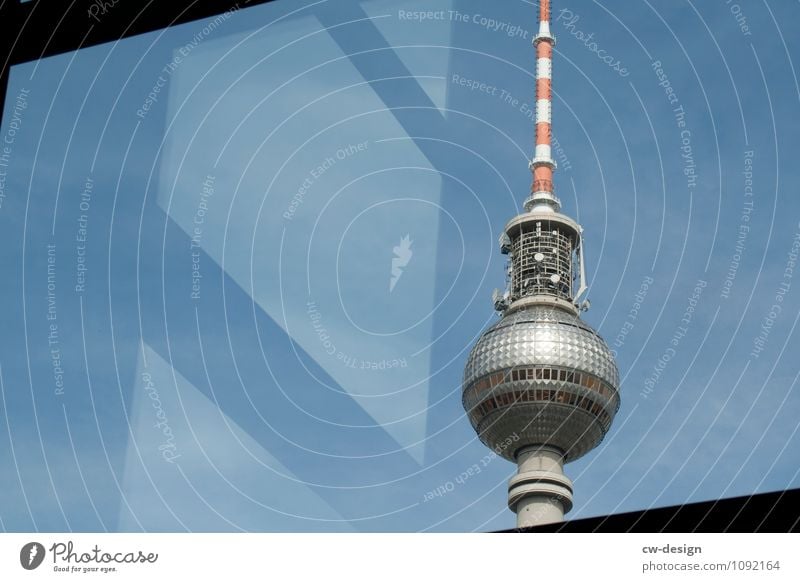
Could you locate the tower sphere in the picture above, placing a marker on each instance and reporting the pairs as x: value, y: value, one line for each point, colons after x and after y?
x: 541, y: 376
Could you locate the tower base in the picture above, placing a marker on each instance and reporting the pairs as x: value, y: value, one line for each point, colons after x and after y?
x: 539, y: 493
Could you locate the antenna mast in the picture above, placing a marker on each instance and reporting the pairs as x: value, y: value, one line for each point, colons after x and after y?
x: 542, y: 166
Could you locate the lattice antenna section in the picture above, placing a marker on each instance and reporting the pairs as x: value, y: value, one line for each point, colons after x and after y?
x: 541, y: 262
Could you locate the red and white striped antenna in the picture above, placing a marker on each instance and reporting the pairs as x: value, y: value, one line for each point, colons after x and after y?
x: 542, y: 193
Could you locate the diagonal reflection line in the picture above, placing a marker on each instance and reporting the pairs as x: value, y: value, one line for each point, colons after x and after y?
x: 241, y: 405
x: 425, y: 117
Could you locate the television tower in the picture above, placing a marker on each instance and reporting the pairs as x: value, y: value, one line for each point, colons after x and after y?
x: 541, y: 386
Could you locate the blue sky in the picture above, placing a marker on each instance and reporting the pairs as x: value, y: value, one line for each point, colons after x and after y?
x: 244, y: 353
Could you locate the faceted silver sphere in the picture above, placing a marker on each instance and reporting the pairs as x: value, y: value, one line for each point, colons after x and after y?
x: 541, y: 376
